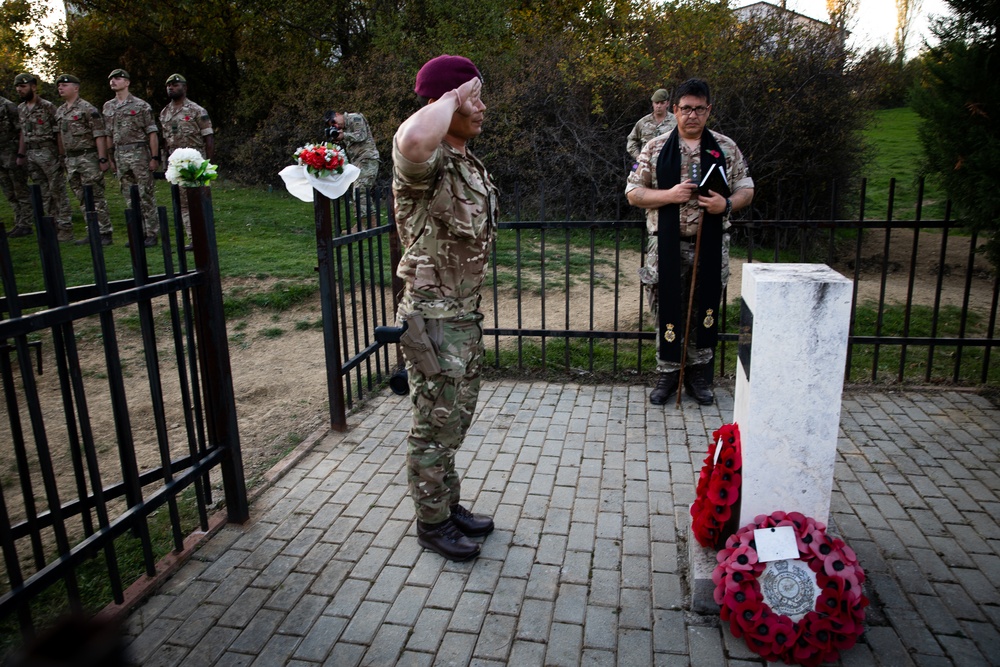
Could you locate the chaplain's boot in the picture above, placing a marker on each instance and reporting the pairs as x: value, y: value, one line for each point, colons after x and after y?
x: 698, y: 383
x: 446, y: 539
x: 665, y: 387
x: 471, y: 525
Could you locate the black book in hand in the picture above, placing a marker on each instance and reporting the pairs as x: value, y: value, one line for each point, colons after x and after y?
x: 715, y: 180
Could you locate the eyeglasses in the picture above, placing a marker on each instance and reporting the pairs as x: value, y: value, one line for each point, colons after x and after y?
x: 697, y: 111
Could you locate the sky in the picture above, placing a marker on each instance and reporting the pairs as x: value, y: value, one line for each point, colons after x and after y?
x: 875, y: 21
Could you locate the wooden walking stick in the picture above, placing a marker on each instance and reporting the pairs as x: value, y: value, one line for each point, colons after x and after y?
x: 687, y: 324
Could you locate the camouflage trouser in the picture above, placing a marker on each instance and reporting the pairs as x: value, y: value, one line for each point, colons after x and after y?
x: 85, y: 170
x: 14, y: 183
x: 648, y: 275
x: 360, y: 188
x: 133, y: 169
x: 443, y: 406
x: 46, y: 169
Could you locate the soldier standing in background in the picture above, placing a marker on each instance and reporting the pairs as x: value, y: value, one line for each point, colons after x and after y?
x: 133, y: 146
x: 352, y: 131
x: 39, y: 149
x: 13, y: 179
x: 185, y: 125
x: 651, y: 125
x: 81, y: 140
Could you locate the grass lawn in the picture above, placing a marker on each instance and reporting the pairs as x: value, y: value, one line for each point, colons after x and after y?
x: 898, y: 153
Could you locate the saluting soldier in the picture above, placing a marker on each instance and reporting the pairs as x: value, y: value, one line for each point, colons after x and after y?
x: 39, y: 150
x: 185, y: 125
x: 13, y: 179
x: 133, y: 148
x: 81, y: 140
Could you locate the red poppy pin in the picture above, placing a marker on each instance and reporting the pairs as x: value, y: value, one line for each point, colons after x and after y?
x: 132, y: 112
x: 76, y: 118
x: 187, y: 117
x: 714, y: 153
x: 41, y: 122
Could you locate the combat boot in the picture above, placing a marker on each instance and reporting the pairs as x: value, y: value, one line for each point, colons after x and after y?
x: 19, y: 231
x: 665, y: 387
x: 446, y: 539
x: 471, y: 525
x: 64, y: 235
x: 698, y: 383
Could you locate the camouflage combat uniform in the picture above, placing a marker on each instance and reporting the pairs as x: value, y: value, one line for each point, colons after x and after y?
x: 82, y: 126
x: 185, y: 126
x: 446, y: 212
x: 644, y: 175
x: 13, y: 179
x: 362, y: 153
x: 647, y: 128
x: 129, y: 122
x: 45, y: 167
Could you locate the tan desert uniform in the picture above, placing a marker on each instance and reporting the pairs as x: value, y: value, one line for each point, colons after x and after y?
x: 13, y: 179
x: 81, y: 126
x: 185, y: 126
x: 647, y: 128
x: 738, y: 177
x: 129, y: 123
x: 446, y: 213
x: 363, y: 154
x: 38, y: 127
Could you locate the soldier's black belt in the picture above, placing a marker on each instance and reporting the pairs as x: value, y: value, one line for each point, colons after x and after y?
x: 82, y: 151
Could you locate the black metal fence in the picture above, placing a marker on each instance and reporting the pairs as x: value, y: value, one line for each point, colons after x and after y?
x: 565, y: 295
x: 123, y: 443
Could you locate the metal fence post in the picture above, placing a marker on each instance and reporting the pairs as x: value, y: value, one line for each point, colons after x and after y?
x: 213, y: 352
x: 328, y: 301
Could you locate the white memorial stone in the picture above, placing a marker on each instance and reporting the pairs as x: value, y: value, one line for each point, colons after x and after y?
x: 787, y: 403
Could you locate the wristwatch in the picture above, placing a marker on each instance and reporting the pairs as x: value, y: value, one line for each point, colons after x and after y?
x: 729, y: 207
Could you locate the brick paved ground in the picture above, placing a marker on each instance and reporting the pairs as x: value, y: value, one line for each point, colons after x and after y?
x: 589, y: 487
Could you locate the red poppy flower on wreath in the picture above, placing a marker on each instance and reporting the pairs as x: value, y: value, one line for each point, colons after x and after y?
x: 745, y: 589
x: 715, y: 508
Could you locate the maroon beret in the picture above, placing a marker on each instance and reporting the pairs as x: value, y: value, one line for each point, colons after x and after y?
x: 444, y: 73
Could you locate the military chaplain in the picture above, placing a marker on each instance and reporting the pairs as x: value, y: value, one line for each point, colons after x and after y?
x: 185, y: 125
x: 39, y: 150
x: 133, y: 147
x: 81, y: 141
x: 13, y: 179
x: 664, y: 185
x: 651, y: 125
x: 446, y: 213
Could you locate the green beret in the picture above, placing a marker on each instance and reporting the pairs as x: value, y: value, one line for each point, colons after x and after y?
x: 67, y: 78
x: 660, y: 95
x: 24, y: 78
x: 119, y: 72
x: 176, y: 78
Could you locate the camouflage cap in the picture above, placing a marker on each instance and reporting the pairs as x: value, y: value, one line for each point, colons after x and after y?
x: 119, y: 72
x: 24, y: 77
x: 176, y: 78
x: 660, y: 95
x: 67, y: 78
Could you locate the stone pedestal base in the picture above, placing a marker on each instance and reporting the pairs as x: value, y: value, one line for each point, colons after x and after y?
x: 701, y: 563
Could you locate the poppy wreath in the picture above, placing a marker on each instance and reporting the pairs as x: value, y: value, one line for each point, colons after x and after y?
x: 837, y: 619
x: 715, y: 511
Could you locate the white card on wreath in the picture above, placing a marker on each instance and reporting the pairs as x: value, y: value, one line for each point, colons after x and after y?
x: 775, y: 543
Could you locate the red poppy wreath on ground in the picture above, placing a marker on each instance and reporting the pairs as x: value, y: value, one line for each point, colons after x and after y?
x: 715, y: 511
x: 816, y: 636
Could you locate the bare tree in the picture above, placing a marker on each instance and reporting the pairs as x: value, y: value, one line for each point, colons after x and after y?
x: 906, y: 13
